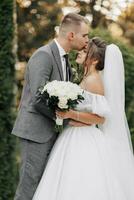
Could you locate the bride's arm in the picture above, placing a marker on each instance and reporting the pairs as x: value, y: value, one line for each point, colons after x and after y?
x: 84, y: 117
x: 94, y: 85
x: 76, y: 123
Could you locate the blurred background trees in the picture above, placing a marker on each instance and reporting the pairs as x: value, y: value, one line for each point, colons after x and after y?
x: 126, y: 22
x: 36, y: 22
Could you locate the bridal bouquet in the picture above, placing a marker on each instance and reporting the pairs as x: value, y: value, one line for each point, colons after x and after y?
x: 61, y: 95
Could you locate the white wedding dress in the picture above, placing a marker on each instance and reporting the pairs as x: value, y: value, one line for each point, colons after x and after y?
x: 86, y: 164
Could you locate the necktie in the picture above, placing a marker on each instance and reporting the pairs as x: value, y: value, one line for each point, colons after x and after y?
x: 67, y: 67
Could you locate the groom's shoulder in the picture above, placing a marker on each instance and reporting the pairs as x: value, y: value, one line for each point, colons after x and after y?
x: 46, y: 49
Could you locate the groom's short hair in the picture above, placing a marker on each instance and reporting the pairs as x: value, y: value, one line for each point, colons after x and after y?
x: 72, y: 20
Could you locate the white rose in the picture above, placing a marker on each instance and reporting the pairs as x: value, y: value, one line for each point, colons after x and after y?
x: 53, y: 92
x: 73, y: 96
x: 62, y: 103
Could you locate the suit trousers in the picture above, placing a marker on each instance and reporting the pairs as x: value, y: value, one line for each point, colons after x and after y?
x: 34, y: 157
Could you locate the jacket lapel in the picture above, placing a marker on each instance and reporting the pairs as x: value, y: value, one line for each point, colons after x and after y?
x: 56, y: 55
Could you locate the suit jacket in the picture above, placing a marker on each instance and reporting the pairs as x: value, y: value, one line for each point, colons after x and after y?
x: 35, y: 121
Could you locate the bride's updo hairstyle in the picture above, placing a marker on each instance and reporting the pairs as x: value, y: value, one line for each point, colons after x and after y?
x: 96, y: 51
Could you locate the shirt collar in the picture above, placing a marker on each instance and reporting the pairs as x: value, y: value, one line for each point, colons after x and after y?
x: 61, y: 50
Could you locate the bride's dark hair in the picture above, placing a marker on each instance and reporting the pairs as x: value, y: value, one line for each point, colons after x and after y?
x: 96, y: 51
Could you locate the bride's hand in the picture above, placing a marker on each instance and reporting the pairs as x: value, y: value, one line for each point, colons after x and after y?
x: 64, y: 114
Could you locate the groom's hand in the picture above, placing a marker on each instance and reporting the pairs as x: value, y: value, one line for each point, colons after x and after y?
x: 77, y: 124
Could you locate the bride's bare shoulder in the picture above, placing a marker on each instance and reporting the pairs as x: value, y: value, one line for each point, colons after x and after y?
x: 94, y: 84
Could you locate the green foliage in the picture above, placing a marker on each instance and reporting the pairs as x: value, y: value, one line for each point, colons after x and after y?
x: 7, y: 143
x: 36, y: 24
x: 77, y: 69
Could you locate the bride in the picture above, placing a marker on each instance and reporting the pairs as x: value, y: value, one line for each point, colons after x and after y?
x: 89, y: 162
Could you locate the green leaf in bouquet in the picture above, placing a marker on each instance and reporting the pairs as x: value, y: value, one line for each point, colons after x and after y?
x: 53, y: 101
x: 80, y: 98
x: 45, y: 95
x: 58, y: 128
x: 72, y: 103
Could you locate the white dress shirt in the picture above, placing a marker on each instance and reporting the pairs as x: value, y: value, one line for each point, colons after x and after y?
x: 63, y: 62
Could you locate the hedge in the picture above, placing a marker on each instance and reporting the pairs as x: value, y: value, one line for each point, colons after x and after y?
x: 7, y: 142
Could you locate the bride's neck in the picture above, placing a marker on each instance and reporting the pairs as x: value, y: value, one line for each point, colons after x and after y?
x: 91, y: 71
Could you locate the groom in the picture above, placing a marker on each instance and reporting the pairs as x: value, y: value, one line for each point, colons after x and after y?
x: 35, y: 123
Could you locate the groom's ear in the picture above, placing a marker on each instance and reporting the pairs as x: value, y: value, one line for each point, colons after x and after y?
x: 70, y: 36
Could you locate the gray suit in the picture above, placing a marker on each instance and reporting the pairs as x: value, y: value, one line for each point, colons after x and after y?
x: 35, y: 122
